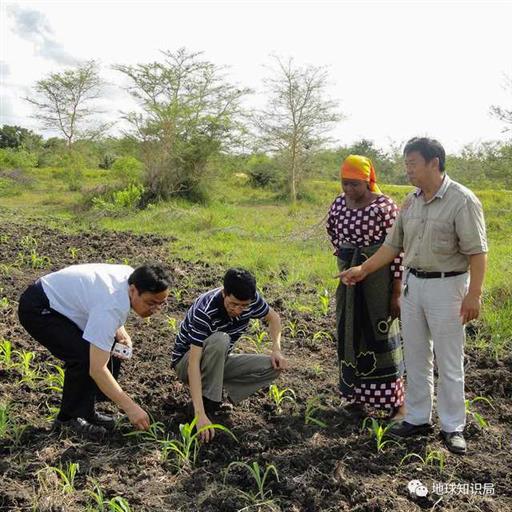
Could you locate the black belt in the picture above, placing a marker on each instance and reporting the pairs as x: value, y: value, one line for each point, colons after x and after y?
x: 433, y: 275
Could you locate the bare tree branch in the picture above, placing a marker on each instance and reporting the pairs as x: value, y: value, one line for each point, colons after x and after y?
x: 502, y: 113
x: 65, y: 102
x: 297, y: 116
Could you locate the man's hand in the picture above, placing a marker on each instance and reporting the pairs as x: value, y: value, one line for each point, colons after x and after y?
x: 353, y: 275
x: 470, y: 308
x: 394, y: 306
x: 123, y: 337
x: 278, y: 360
x: 208, y: 434
x: 138, y: 417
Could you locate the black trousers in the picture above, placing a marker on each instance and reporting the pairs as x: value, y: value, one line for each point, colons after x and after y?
x: 63, y: 339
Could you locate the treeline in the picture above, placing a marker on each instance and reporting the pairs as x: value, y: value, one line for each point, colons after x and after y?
x: 190, y: 118
x: 486, y: 165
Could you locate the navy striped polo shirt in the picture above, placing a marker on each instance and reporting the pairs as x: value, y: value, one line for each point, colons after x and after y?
x: 208, y: 315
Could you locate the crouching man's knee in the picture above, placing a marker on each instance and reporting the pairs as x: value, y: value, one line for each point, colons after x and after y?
x: 217, y: 342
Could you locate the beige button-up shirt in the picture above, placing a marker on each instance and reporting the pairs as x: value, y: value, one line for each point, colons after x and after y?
x: 439, y: 235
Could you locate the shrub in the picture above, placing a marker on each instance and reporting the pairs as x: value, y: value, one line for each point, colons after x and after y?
x: 16, y: 159
x: 107, y: 161
x: 127, y: 169
x: 119, y: 200
x: 262, y: 171
x: 72, y: 172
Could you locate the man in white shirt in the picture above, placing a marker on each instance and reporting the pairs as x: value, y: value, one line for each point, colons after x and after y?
x: 78, y: 313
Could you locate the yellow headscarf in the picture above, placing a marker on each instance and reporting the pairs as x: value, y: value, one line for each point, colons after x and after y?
x: 357, y: 167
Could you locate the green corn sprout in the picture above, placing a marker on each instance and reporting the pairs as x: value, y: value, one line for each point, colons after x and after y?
x: 6, y: 353
x: 55, y: 381
x: 279, y: 396
x: 154, y: 434
x: 320, y: 336
x: 16, y: 433
x: 317, y: 369
x: 28, y: 242
x: 53, y: 412
x: 116, y: 504
x: 36, y: 261
x: 29, y: 375
x: 254, y: 326
x: 481, y: 421
x: 73, y: 252
x: 186, y: 449
x: 432, y: 457
x: 4, y: 303
x: 178, y: 294
x: 312, y: 406
x: 4, y: 420
x: 119, y: 504
x: 294, y: 329
x: 259, y: 476
x: 323, y: 299
x: 258, y: 341
x: 9, y: 428
x: 379, y: 433
x: 5, y: 269
x: 65, y: 476
x: 172, y: 324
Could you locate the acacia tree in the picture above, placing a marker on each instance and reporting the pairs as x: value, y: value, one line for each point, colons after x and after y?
x: 189, y: 113
x: 297, y: 117
x: 501, y: 113
x: 65, y: 102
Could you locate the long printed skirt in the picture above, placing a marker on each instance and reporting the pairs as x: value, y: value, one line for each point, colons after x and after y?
x: 370, y: 357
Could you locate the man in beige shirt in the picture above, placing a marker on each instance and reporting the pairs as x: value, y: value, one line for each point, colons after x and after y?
x: 441, y: 230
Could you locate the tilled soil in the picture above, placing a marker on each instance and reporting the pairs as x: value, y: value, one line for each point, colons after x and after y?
x: 335, y: 467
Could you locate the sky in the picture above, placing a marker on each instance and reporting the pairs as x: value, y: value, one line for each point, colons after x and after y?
x: 397, y: 69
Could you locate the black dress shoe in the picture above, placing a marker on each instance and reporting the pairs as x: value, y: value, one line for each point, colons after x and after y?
x: 103, y: 420
x: 454, y: 441
x: 405, y: 429
x: 213, y: 408
x: 81, y: 427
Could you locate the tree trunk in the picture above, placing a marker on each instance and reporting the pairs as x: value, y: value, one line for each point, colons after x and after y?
x: 293, y: 172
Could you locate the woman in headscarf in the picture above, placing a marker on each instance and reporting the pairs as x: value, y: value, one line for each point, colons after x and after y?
x: 370, y: 356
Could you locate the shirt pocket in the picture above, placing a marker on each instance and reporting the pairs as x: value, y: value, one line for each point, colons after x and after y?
x: 444, y: 240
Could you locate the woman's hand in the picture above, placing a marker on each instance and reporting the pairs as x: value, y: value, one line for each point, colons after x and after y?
x: 394, y: 306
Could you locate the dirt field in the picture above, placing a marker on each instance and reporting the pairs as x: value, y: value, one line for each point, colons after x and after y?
x: 331, y: 468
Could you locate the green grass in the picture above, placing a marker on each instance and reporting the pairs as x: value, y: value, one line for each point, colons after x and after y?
x: 254, y: 228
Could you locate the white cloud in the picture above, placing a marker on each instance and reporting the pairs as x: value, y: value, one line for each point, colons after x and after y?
x: 33, y: 26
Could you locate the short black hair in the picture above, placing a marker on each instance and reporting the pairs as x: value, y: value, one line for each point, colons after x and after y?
x: 428, y: 149
x: 240, y: 283
x: 150, y: 278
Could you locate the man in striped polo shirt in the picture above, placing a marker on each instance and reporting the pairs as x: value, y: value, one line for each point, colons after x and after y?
x: 202, y: 354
